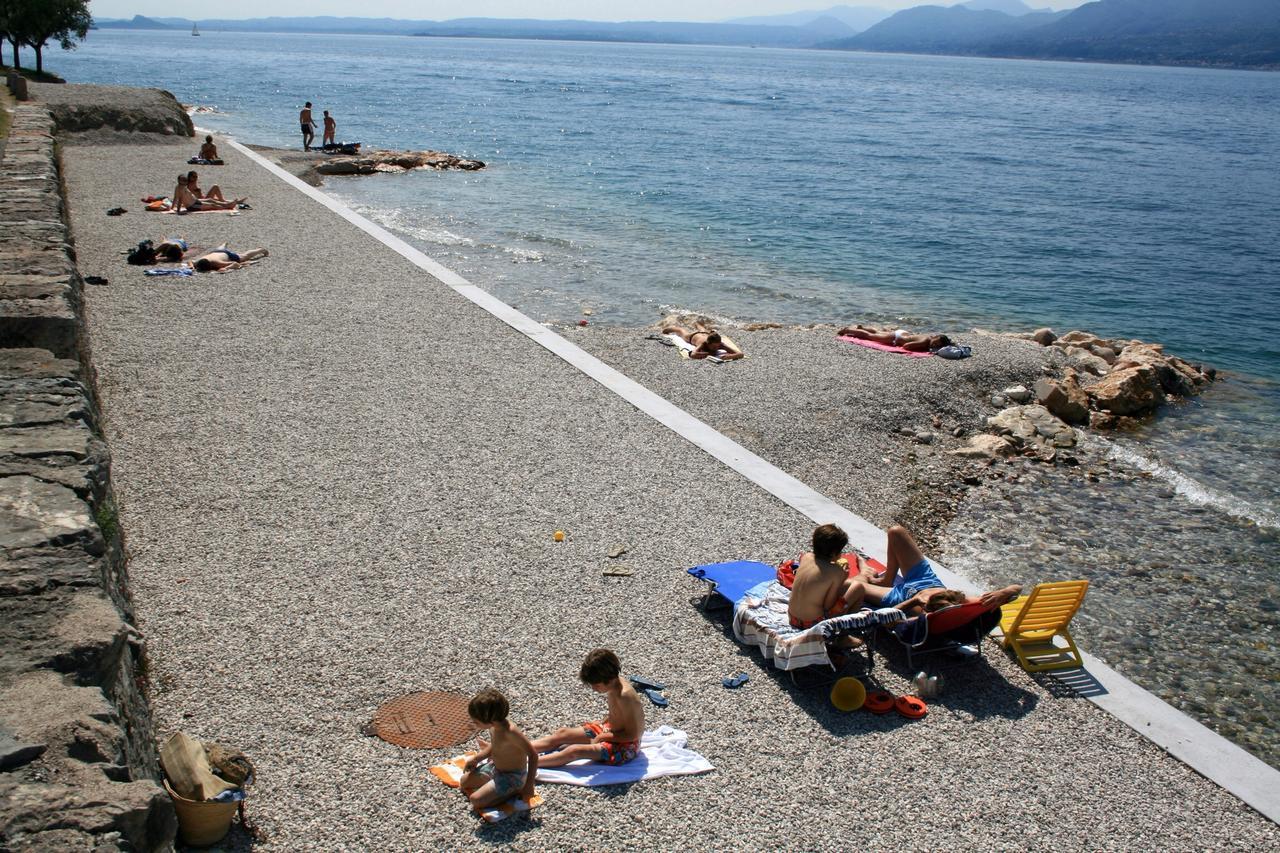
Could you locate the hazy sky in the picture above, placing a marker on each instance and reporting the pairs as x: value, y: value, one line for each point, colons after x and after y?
x: 439, y: 10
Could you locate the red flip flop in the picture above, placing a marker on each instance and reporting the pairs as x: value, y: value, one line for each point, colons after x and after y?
x: 878, y: 702
x: 911, y: 707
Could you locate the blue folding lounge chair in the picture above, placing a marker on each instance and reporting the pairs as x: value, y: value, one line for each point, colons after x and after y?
x: 732, y: 580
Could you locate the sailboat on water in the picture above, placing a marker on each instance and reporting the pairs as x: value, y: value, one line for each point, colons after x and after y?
x: 195, y: 30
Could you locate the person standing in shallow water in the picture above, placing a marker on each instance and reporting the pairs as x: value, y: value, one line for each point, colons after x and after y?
x: 330, y: 130
x: 308, y: 126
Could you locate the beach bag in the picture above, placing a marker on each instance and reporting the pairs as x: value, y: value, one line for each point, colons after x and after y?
x: 144, y: 255
x: 955, y: 352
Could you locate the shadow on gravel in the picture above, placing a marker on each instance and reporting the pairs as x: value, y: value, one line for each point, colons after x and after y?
x: 505, y: 833
x: 974, y: 688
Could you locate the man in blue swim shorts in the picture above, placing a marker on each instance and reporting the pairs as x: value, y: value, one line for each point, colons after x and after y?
x: 910, y: 583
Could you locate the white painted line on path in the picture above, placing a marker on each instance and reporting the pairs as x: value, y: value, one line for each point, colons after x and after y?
x: 1213, y: 756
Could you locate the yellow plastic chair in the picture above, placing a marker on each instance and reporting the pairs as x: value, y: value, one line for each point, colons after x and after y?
x: 1031, y: 623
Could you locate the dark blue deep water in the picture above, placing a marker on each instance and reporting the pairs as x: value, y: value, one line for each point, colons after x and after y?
x: 799, y: 186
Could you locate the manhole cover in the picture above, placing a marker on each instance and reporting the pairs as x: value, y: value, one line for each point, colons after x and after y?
x: 424, y: 720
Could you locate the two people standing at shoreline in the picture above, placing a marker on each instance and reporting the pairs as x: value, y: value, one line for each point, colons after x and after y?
x: 308, y: 126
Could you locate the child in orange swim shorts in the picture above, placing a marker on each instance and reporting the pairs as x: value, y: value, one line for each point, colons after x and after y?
x: 613, y: 740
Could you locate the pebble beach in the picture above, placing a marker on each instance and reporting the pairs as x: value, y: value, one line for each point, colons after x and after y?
x: 338, y: 482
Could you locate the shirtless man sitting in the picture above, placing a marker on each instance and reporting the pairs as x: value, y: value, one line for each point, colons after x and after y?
x: 822, y: 584
x: 706, y: 342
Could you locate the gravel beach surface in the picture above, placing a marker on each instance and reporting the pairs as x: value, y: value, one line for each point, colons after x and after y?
x: 339, y: 482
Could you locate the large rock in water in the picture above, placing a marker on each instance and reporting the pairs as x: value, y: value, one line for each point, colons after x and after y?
x: 1033, y: 429
x: 1175, y: 375
x: 1127, y: 390
x: 394, y: 161
x: 1065, y: 398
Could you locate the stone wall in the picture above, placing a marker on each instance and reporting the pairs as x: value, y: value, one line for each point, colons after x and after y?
x: 78, y: 766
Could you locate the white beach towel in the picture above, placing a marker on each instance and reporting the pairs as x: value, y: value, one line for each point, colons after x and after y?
x: 662, y: 753
x: 762, y: 620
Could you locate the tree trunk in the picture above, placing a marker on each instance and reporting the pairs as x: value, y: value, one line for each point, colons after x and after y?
x: 39, y: 63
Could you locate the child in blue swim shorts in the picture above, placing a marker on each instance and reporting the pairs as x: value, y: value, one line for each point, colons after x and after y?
x: 503, y: 768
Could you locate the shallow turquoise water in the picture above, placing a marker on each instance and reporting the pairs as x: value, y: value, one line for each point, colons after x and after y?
x: 813, y: 186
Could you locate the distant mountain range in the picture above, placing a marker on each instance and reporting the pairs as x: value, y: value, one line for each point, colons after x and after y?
x: 1226, y: 33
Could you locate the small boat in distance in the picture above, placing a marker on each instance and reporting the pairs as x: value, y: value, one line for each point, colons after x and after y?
x: 195, y: 30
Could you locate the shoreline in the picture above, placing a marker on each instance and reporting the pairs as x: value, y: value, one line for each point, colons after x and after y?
x: 566, y: 450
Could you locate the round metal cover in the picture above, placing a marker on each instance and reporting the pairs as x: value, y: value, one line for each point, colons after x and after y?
x: 424, y: 720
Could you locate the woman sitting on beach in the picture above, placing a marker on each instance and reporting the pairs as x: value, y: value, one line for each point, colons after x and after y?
x: 896, y: 338
x: 183, y: 198
x: 193, y: 184
x: 706, y: 342
x: 209, y: 151
x: 223, y: 259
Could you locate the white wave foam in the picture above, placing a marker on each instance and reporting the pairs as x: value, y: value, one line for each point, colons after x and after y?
x: 716, y: 320
x: 1192, y: 489
x: 398, y: 222
x: 523, y: 256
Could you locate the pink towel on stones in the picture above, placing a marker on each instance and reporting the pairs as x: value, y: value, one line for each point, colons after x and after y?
x: 882, y: 347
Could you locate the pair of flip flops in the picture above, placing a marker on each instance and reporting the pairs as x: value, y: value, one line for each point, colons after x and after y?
x: 116, y: 211
x: 652, y: 689
x: 882, y: 702
x: 736, y: 681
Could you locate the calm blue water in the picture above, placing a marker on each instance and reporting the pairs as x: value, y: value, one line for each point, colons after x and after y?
x: 811, y: 186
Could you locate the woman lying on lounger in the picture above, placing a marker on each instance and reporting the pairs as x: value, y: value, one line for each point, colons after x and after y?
x: 897, y: 338
x: 706, y: 342
x: 223, y: 259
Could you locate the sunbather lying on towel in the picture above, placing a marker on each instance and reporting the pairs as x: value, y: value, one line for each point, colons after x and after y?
x: 613, y: 740
x: 223, y: 259
x: 896, y: 338
x: 909, y: 582
x: 706, y: 342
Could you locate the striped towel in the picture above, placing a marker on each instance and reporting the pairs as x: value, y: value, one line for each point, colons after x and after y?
x: 450, y: 773
x: 761, y: 620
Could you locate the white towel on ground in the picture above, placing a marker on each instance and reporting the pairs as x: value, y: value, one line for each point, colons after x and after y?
x: 662, y: 753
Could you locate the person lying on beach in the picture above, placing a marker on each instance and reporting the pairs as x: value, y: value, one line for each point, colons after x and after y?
x: 209, y: 151
x: 505, y: 767
x: 170, y: 249
x: 613, y: 740
x: 909, y: 582
x: 706, y: 342
x: 184, y: 199
x: 193, y: 186
x: 223, y: 259
x: 897, y: 338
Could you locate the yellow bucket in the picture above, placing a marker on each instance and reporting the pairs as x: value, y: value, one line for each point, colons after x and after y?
x: 201, y: 824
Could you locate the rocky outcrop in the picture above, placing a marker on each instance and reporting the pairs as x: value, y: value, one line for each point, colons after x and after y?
x: 393, y: 161
x: 1064, y: 398
x: 76, y: 744
x: 1133, y: 378
x: 113, y: 110
x: 1033, y: 431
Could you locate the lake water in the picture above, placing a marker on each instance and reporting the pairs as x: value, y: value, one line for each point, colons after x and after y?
x: 802, y: 186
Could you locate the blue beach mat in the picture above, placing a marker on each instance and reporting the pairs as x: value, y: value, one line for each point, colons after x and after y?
x: 735, y: 579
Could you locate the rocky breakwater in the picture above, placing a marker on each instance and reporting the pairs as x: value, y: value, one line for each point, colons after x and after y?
x: 114, y: 113
x: 77, y: 752
x: 1089, y: 382
x: 367, y: 163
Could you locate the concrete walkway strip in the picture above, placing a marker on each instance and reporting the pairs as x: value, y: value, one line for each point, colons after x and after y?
x: 1213, y: 756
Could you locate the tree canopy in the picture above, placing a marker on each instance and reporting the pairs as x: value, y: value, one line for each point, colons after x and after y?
x: 35, y: 23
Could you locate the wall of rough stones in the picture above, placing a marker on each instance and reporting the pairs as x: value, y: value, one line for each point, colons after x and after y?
x: 78, y: 764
